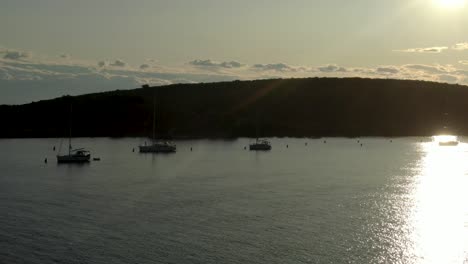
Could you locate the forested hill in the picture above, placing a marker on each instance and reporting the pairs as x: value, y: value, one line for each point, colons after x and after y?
x: 309, y: 107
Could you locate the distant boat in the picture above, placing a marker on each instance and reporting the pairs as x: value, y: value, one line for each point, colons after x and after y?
x: 157, y: 146
x: 447, y: 140
x: 75, y: 156
x: 260, y: 144
x: 79, y: 155
x: 448, y: 143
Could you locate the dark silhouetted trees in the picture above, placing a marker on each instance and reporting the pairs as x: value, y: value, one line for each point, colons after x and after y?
x: 284, y: 107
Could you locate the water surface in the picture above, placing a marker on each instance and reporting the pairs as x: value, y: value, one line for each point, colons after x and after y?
x: 403, y: 201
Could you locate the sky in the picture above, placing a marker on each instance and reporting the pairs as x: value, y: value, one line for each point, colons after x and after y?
x: 50, y: 48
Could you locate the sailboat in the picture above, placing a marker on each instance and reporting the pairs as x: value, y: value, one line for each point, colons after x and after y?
x: 447, y: 140
x: 260, y: 144
x: 79, y: 155
x: 451, y: 143
x: 156, y: 145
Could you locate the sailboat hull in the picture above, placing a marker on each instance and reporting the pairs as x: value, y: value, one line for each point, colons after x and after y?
x: 158, y: 148
x: 73, y: 159
x: 263, y: 147
x: 448, y: 144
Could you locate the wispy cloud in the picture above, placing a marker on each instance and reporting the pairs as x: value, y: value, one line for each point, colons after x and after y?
x: 387, y: 70
x: 15, y: 54
x: 332, y: 68
x: 439, y: 49
x: 424, y: 50
x: 461, y: 46
x: 118, y: 63
x: 144, y: 66
x: 210, y: 63
x: 448, y: 78
x: 464, y: 62
x: 278, y: 67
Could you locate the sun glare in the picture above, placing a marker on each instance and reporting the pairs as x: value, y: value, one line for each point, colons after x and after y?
x: 451, y: 4
x: 439, y: 210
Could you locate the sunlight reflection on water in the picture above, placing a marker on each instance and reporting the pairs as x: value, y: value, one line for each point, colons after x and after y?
x: 438, y: 219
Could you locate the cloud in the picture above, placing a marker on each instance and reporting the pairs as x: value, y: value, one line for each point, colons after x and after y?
x: 331, y: 68
x: 210, y: 63
x: 387, y: 70
x: 448, y: 78
x: 27, y: 79
x: 464, y: 62
x: 279, y: 67
x: 118, y: 63
x: 15, y: 55
x: 424, y: 50
x: 461, y: 46
x: 434, y: 69
x: 144, y: 66
x: 231, y: 64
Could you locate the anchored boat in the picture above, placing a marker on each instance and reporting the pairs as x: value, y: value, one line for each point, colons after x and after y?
x: 79, y: 155
x: 157, y: 146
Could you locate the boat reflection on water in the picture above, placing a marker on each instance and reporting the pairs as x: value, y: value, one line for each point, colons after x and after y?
x: 439, y: 209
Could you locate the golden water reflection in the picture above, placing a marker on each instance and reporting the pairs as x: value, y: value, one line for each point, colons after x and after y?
x: 439, y: 213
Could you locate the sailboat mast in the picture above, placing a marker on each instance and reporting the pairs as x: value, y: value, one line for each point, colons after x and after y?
x: 154, y: 117
x: 257, y: 128
x: 70, y: 130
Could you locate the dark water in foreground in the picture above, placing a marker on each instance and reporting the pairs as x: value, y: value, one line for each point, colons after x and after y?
x: 400, y: 202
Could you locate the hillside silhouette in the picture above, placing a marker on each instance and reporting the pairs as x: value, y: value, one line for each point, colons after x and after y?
x: 311, y: 107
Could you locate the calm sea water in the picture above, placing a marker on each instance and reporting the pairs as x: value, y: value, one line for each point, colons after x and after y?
x: 404, y: 201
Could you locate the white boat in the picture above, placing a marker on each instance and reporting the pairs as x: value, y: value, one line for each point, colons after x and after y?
x: 79, y: 155
x: 157, y: 146
x: 448, y: 143
x: 75, y: 156
x: 447, y: 140
x: 260, y: 144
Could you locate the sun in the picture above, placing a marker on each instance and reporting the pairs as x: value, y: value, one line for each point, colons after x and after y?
x: 450, y: 4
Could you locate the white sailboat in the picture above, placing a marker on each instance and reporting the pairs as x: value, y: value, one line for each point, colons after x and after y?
x: 157, y: 146
x: 447, y: 140
x: 260, y: 144
x: 79, y: 155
